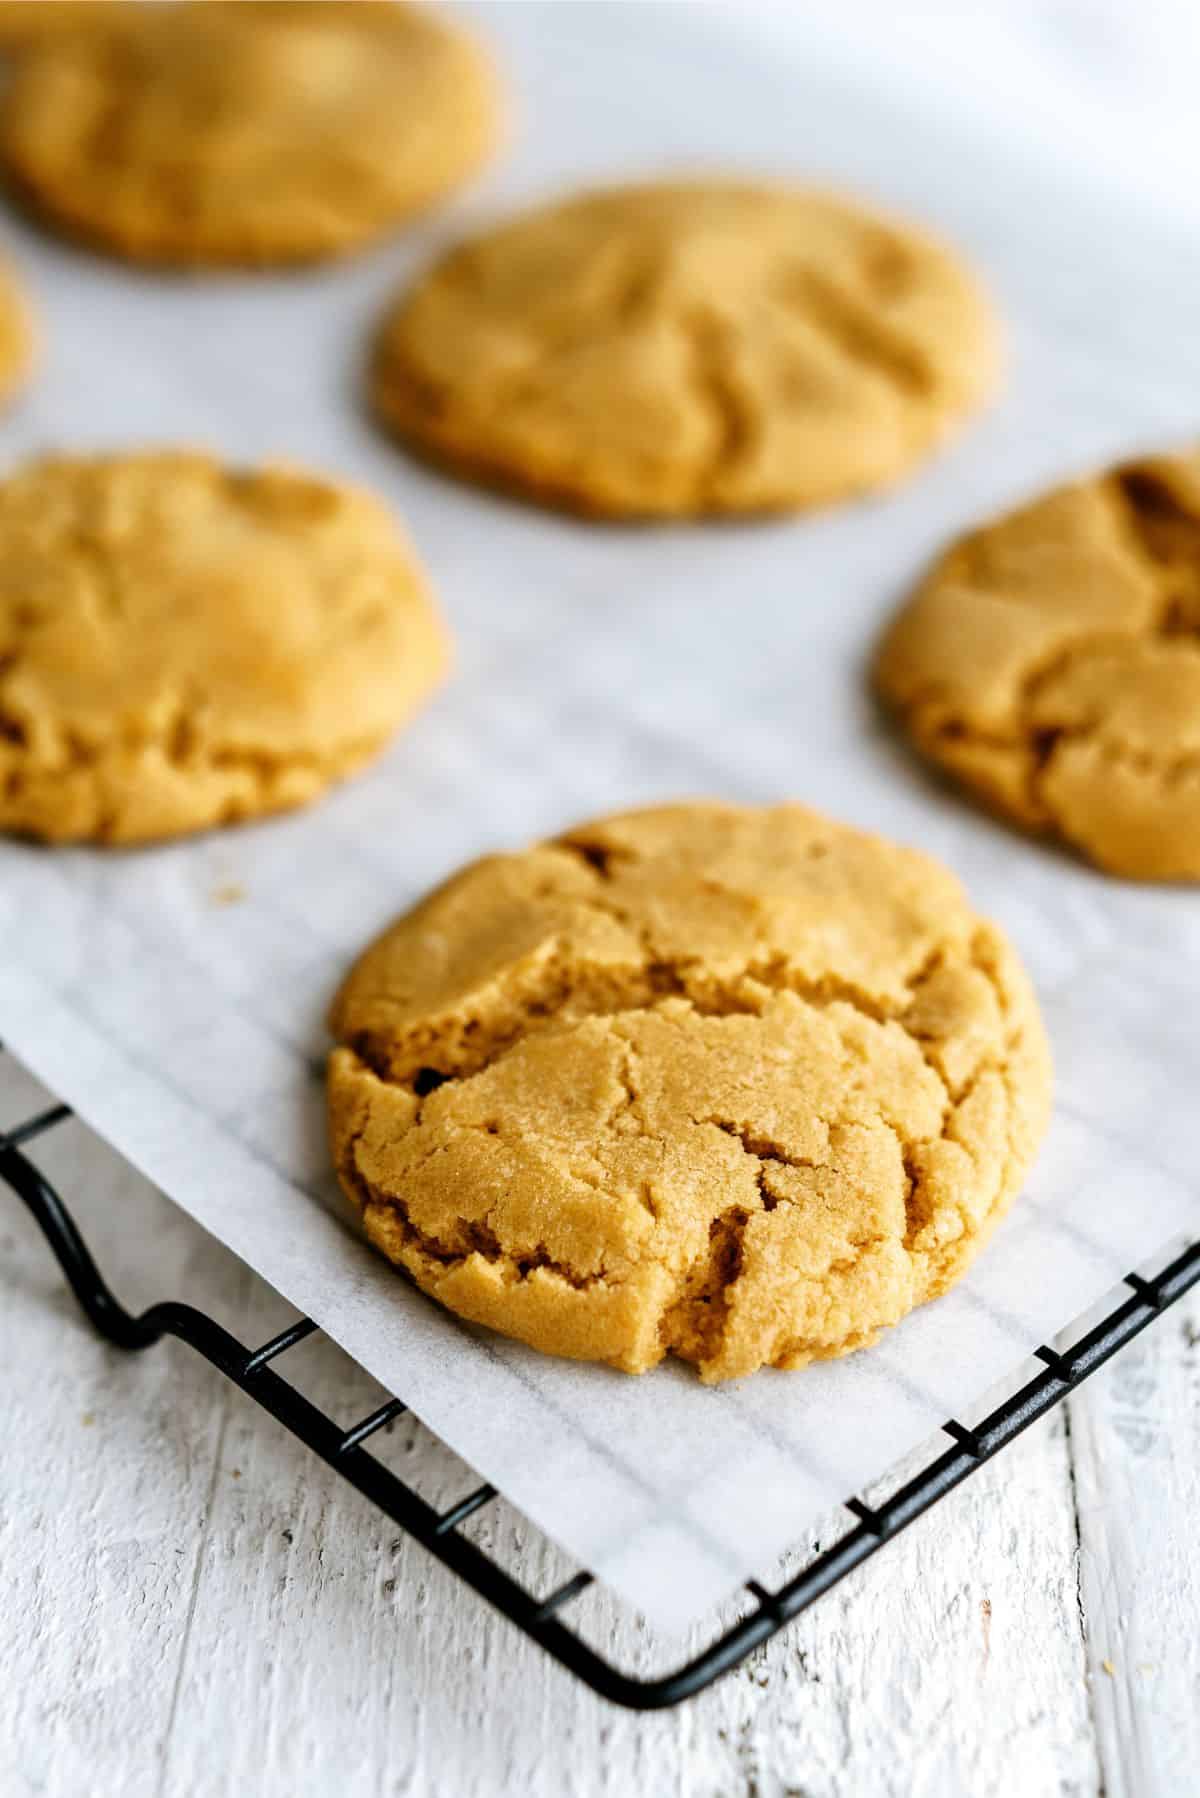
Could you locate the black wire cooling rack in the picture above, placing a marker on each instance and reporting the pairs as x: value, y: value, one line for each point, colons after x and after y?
x: 439, y: 1531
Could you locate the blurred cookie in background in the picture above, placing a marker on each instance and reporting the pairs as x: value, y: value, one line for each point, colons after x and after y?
x: 246, y: 134
x: 690, y: 348
x: 184, y: 645
x: 25, y: 22
x: 18, y: 336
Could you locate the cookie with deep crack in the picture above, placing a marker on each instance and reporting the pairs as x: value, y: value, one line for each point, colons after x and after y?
x: 246, y: 132
x: 687, y: 349
x: 183, y: 645
x: 1051, y: 661
x: 738, y: 1085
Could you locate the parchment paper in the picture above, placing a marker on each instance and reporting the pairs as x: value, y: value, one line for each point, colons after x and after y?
x: 600, y: 668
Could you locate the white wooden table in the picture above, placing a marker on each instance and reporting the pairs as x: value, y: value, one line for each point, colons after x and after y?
x: 192, y: 1605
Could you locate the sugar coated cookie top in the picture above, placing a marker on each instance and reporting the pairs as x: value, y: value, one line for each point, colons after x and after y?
x: 740, y: 1085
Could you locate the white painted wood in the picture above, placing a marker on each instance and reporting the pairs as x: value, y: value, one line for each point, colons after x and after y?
x: 876, y: 1684
x: 194, y: 1606
x: 1135, y: 1443
x: 103, y: 1479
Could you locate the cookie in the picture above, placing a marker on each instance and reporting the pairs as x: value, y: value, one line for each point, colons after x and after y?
x: 1051, y: 661
x: 183, y: 646
x: 24, y: 22
x: 17, y: 337
x: 738, y: 1085
x: 246, y: 133
x: 687, y: 349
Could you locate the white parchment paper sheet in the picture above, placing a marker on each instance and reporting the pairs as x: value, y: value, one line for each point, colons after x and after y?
x: 601, y: 668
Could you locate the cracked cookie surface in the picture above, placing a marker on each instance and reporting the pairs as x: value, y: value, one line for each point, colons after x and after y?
x: 246, y: 131
x: 687, y: 349
x: 183, y: 645
x: 1051, y: 660
x: 739, y: 1085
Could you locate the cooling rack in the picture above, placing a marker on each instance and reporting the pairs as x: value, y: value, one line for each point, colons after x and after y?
x: 541, y: 1616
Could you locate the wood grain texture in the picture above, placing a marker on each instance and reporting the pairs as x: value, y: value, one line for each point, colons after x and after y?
x: 194, y: 1605
x: 1135, y: 1449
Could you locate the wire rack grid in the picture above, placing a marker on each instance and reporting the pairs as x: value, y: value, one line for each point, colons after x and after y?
x: 541, y: 1618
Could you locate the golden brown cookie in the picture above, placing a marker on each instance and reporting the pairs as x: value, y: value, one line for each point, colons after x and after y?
x: 24, y: 22
x: 739, y: 1085
x: 247, y: 133
x: 1051, y: 661
x: 687, y: 349
x: 183, y: 646
x: 17, y: 336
